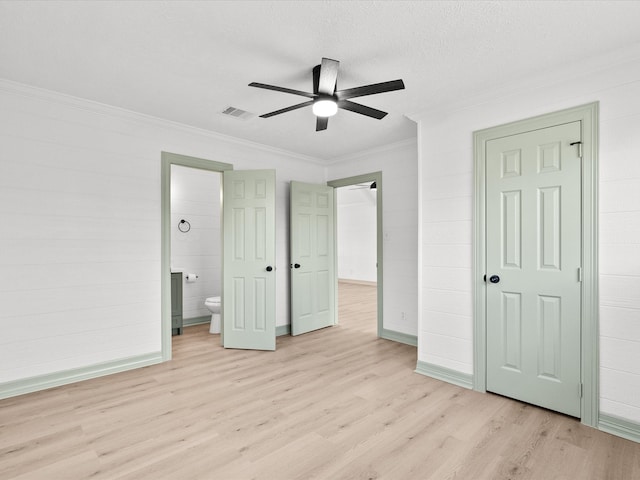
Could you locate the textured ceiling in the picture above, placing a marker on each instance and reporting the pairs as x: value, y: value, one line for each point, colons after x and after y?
x: 187, y: 61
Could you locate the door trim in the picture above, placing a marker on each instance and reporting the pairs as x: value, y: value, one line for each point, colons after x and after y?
x: 346, y: 182
x: 168, y: 159
x: 588, y: 116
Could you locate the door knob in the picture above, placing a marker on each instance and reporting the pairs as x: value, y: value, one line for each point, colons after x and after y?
x: 296, y: 265
x: 494, y: 278
x: 269, y: 268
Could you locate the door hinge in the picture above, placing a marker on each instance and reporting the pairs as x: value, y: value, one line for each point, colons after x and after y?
x: 579, y: 274
x: 580, y: 389
x: 579, y: 144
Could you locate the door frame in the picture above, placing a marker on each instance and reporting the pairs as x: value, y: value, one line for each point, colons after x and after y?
x: 589, y: 342
x: 346, y: 182
x: 168, y: 159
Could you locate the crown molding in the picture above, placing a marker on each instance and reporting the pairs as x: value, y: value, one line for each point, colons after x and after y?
x: 21, y: 89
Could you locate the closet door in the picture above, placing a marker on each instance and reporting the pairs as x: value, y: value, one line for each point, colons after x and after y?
x: 533, y: 267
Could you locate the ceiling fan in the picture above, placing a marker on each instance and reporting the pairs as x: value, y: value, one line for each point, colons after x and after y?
x: 326, y: 99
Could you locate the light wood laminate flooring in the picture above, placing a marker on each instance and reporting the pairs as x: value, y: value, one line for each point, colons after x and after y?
x: 337, y: 403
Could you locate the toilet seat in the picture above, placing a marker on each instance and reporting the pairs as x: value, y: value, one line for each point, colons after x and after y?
x: 212, y: 300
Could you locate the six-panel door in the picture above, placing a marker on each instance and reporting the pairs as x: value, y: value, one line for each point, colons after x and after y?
x: 533, y: 212
x: 248, y: 295
x: 312, y: 257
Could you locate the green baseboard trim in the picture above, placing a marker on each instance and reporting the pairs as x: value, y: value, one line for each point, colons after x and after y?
x: 619, y: 427
x: 358, y: 282
x: 399, y: 337
x: 464, y: 380
x: 56, y: 379
x: 187, y: 322
x: 283, y: 330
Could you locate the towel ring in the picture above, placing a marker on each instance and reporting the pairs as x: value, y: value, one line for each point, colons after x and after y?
x: 184, y: 226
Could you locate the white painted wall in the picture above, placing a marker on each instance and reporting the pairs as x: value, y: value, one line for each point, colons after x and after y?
x: 398, y: 165
x: 357, y: 234
x: 446, y: 169
x: 195, y: 197
x: 80, y: 227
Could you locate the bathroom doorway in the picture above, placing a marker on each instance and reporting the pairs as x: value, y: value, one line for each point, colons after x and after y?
x: 178, y: 234
x: 196, y: 243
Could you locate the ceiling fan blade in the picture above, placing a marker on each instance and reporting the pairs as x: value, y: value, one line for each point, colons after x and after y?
x: 288, y: 109
x: 322, y: 123
x: 370, y: 89
x: 282, y: 89
x: 328, y: 76
x: 361, y: 109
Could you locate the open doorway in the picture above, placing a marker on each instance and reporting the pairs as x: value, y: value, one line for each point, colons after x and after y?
x: 357, y: 256
x: 248, y: 255
x: 177, y: 234
x: 196, y: 248
x: 358, y: 205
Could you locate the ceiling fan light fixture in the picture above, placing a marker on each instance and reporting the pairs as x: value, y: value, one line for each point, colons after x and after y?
x: 326, y: 99
x: 325, y: 108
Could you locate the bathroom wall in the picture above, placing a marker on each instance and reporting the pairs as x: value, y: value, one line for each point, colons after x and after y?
x: 195, y: 197
x: 399, y: 168
x: 80, y: 223
x: 357, y: 234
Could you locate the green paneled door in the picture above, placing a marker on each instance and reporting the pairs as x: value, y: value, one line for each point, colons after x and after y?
x: 248, y: 294
x: 533, y: 248
x: 312, y: 257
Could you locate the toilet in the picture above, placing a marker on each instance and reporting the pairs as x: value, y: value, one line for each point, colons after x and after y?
x: 213, y: 304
